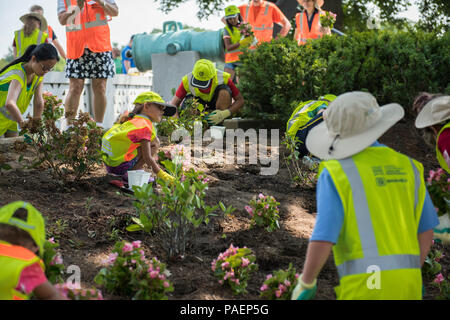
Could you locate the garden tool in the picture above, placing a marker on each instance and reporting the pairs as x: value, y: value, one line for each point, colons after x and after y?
x: 304, y: 291
x: 217, y: 116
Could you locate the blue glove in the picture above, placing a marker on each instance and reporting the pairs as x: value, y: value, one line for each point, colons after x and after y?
x: 304, y: 291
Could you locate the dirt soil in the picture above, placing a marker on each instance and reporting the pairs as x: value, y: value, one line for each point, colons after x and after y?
x: 89, y: 217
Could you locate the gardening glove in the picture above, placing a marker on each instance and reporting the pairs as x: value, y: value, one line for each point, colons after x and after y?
x: 165, y: 176
x: 246, y: 41
x: 304, y: 291
x: 218, y: 116
x: 27, y: 139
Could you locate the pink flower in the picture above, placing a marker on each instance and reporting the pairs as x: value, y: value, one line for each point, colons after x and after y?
x: 57, y: 260
x: 264, y: 287
x: 166, y: 284
x: 51, y: 240
x: 439, y: 278
x: 281, y: 287
x: 133, y: 261
x: 249, y: 210
x: 297, y: 275
x: 153, y: 274
x: 261, y: 196
x: 221, y: 281
x: 236, y: 281
x: 136, y: 244
x: 245, y: 262
x: 225, y: 264
x: 111, y: 258
x: 266, y: 206
x: 287, y: 283
x: 278, y: 293
x: 127, y: 247
x: 269, y: 276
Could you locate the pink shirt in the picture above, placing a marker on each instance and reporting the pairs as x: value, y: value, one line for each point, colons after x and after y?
x: 30, y: 278
x: 443, y: 144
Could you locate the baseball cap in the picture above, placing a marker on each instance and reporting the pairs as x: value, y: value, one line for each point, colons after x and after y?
x: 150, y: 96
x: 203, y: 73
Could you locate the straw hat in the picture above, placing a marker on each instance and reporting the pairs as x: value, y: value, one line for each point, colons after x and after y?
x: 434, y: 112
x: 37, y: 16
x: 352, y: 122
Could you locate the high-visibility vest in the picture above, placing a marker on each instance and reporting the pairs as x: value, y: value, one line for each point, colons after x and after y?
x: 15, y: 72
x: 262, y: 24
x: 233, y: 55
x: 50, y: 34
x: 439, y: 155
x: 377, y: 253
x: 220, y: 78
x: 13, y: 260
x: 304, y: 112
x: 116, y: 144
x: 301, y: 20
x: 22, y: 42
x: 89, y: 29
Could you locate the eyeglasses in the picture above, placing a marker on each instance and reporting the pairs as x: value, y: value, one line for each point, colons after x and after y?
x: 45, y: 69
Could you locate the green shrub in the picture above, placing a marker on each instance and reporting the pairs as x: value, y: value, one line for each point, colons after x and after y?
x: 393, y: 66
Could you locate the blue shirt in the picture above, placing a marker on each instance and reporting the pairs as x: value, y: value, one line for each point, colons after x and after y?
x: 330, y: 212
x: 124, y: 58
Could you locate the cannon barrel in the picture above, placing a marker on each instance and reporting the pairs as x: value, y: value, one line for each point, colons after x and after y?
x: 173, y: 39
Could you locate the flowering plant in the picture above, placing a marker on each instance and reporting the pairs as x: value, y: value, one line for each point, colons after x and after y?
x: 264, y: 212
x: 431, y: 264
x: 246, y: 30
x: 280, y: 285
x: 75, y: 151
x: 70, y: 293
x: 444, y: 286
x: 327, y: 19
x: 438, y: 185
x: 53, y: 262
x: 234, y: 267
x: 129, y: 272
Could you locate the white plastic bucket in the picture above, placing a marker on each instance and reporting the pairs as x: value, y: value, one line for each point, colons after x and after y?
x: 138, y: 178
x: 217, y: 132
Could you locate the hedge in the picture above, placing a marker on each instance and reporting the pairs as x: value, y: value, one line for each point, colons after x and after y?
x: 394, y: 67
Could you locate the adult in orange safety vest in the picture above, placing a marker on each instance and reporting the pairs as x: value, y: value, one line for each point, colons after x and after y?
x: 261, y: 15
x: 374, y: 210
x: 307, y: 21
x: 89, y: 51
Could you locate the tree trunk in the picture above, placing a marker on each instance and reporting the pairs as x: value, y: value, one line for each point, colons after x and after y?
x: 335, y: 6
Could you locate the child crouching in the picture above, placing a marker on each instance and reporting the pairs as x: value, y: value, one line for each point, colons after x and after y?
x: 132, y: 142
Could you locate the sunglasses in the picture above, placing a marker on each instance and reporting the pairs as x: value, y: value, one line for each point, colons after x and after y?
x: 44, y: 68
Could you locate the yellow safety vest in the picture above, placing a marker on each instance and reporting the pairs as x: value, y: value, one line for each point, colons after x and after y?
x: 439, y: 155
x: 220, y: 78
x: 235, y: 37
x: 13, y: 260
x: 22, y: 42
x: 304, y: 112
x: 382, y: 193
x: 116, y: 144
x: 15, y: 72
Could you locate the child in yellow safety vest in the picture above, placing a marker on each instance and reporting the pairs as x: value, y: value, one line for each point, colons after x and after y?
x: 22, y: 237
x: 132, y: 142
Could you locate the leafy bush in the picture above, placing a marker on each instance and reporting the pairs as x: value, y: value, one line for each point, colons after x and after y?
x: 234, y: 267
x: 280, y: 285
x: 264, y: 212
x: 75, y: 151
x: 173, y: 214
x: 128, y: 272
x: 394, y: 67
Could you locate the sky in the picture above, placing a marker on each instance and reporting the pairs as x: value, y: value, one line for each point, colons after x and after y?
x: 135, y: 16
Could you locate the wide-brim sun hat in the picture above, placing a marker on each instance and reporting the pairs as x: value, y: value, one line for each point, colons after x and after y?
x: 37, y: 16
x: 352, y: 122
x: 434, y: 112
x: 203, y: 73
x: 153, y: 97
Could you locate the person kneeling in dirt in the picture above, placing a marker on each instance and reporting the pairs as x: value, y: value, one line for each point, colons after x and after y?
x: 132, y: 142
x: 306, y: 116
x: 212, y: 88
x: 22, y: 238
x: 373, y: 207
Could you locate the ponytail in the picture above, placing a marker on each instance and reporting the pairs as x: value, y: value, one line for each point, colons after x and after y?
x: 130, y: 115
x: 44, y: 51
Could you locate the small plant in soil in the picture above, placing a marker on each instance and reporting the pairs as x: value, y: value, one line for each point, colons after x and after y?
x: 53, y: 262
x: 264, y: 212
x: 73, y: 152
x: 129, y: 273
x: 234, y: 267
x: 438, y: 185
x: 172, y: 215
x: 280, y: 285
x: 71, y: 293
x: 301, y: 174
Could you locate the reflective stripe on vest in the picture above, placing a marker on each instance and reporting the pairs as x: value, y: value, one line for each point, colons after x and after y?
x: 22, y: 42
x: 366, y: 230
x: 18, y: 73
x: 304, y: 35
x: 294, y: 118
x: 235, y: 37
x: 439, y: 155
x: 263, y: 31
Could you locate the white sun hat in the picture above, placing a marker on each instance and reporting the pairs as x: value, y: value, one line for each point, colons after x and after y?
x: 434, y: 112
x: 352, y: 122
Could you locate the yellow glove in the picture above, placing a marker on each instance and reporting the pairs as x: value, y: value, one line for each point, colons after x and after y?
x: 246, y: 41
x: 165, y: 176
x: 217, y: 116
x: 304, y: 291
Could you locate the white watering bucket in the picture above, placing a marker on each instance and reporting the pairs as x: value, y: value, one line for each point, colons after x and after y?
x: 217, y: 132
x: 138, y: 178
